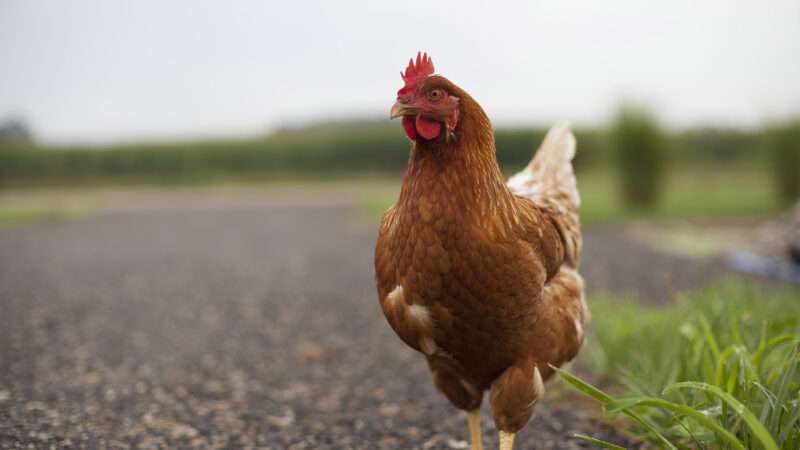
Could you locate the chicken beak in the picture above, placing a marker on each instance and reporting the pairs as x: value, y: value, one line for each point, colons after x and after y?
x: 400, y: 109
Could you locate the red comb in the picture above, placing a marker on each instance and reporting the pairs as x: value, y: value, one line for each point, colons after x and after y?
x: 416, y: 72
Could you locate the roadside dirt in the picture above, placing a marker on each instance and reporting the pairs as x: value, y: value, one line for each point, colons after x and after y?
x: 248, y: 327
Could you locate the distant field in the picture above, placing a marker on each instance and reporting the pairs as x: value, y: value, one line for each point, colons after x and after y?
x: 23, y: 215
x: 710, y: 173
x: 323, y: 151
x: 691, y: 192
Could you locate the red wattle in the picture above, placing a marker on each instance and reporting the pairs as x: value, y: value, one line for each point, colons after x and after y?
x: 408, y: 126
x: 428, y: 128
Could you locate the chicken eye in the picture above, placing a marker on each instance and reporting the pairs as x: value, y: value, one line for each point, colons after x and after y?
x: 435, y: 94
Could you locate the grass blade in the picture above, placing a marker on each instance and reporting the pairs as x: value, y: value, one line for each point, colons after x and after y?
x: 750, y: 419
x: 598, y: 442
x: 627, y: 403
x: 583, y: 386
x: 709, y: 335
x: 605, y: 399
x: 789, y: 425
x: 771, y: 345
x: 734, y: 327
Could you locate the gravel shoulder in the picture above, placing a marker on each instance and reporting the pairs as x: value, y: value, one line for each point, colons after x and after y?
x: 247, y: 327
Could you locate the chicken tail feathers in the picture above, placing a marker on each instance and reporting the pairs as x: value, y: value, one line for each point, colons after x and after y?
x: 549, y: 181
x: 550, y: 172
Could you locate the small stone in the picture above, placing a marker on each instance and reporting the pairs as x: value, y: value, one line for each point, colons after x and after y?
x: 281, y: 421
x: 389, y: 409
x: 309, y: 351
x: 457, y: 444
x: 214, y: 387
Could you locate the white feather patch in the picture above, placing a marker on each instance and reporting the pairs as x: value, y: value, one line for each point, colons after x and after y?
x: 395, y: 295
x: 420, y: 314
x: 579, y: 328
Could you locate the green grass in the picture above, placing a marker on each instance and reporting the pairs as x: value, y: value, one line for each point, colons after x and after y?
x: 719, y: 369
x: 690, y: 192
x: 18, y: 216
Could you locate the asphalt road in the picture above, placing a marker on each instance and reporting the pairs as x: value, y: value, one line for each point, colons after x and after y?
x: 237, y: 328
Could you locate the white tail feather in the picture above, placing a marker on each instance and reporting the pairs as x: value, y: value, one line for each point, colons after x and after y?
x: 549, y: 182
x: 549, y: 174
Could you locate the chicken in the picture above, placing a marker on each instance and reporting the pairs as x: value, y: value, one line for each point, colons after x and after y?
x: 479, y: 275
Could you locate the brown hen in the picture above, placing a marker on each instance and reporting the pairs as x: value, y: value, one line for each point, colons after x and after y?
x: 478, y: 274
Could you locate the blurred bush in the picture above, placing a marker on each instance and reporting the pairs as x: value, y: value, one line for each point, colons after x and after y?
x: 639, y: 146
x: 718, y: 145
x: 15, y: 134
x: 321, y: 150
x: 348, y: 148
x: 783, y: 142
x: 311, y: 151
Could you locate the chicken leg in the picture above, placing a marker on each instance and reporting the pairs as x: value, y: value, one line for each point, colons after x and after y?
x: 474, y: 421
x: 513, y: 396
x: 506, y: 440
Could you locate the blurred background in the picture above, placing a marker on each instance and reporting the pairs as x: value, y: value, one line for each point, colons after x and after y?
x: 197, y: 93
x: 173, y: 173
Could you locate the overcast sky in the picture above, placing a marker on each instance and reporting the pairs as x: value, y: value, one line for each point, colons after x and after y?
x: 111, y: 70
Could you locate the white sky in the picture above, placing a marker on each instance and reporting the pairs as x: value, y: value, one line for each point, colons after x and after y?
x: 107, y: 70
